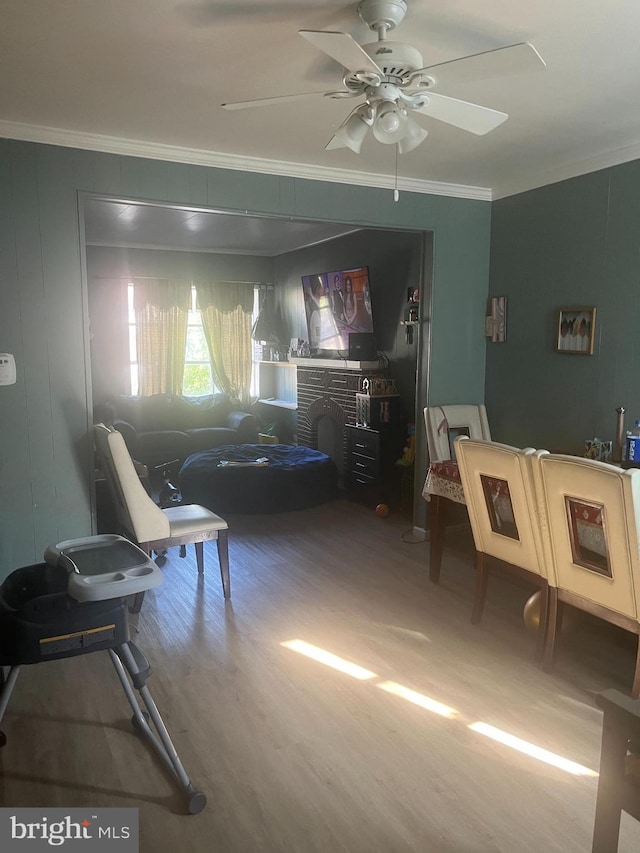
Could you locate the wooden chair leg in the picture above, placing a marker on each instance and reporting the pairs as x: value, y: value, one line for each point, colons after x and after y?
x: 553, y: 618
x: 543, y: 624
x: 606, y: 828
x: 482, y: 578
x: 223, y: 559
x: 437, y: 523
x: 199, y: 546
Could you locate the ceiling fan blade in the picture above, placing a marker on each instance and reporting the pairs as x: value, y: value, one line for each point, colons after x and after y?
x: 513, y: 59
x: 267, y: 102
x: 471, y: 117
x: 343, y: 48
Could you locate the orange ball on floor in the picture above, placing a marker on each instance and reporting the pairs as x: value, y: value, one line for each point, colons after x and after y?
x: 382, y: 510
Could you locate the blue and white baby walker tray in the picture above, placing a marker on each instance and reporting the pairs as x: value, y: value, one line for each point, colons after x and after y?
x: 75, y: 603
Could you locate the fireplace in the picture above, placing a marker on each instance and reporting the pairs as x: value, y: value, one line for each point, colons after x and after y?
x: 327, y: 404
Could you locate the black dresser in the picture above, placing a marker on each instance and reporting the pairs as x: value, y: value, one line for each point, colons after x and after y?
x: 371, y: 456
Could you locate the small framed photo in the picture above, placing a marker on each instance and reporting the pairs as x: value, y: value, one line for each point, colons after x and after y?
x: 576, y: 330
x: 499, y: 316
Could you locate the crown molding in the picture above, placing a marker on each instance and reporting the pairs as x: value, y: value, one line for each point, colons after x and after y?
x: 569, y: 170
x: 200, y: 157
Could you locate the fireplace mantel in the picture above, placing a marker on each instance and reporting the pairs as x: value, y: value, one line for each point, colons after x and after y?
x: 336, y: 363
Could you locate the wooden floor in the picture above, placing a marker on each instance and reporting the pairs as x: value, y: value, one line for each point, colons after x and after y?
x: 297, y: 757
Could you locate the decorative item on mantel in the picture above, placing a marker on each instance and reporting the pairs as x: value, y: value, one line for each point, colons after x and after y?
x: 378, y: 386
x: 297, y: 346
x: 378, y: 402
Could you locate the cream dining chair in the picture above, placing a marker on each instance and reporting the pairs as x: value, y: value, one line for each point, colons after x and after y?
x: 445, y: 423
x: 142, y: 520
x: 590, y: 514
x: 499, y: 491
x: 442, y: 488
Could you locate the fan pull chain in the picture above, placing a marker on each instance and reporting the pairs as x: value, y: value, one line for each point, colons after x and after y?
x: 396, y: 191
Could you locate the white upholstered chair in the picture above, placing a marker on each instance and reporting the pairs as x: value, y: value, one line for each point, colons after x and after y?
x: 143, y: 521
x: 445, y: 423
x: 590, y: 514
x: 499, y: 491
x: 442, y: 487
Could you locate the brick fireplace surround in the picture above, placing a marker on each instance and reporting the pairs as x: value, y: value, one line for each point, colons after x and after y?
x: 328, y: 389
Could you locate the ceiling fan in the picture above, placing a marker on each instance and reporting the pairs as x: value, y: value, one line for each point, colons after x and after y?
x: 394, y: 83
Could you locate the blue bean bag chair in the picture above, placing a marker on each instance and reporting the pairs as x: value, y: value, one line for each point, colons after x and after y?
x: 225, y: 480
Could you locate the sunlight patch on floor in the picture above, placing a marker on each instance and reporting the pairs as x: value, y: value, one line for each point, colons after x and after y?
x: 416, y: 698
x: 531, y: 749
x: 329, y: 659
x: 434, y: 706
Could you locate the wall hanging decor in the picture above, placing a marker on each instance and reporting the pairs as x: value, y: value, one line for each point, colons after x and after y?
x: 576, y: 330
x: 496, y: 320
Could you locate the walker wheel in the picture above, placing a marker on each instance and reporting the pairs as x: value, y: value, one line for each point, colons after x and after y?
x: 3, y: 739
x: 136, y: 725
x: 161, y: 559
x: 197, y: 802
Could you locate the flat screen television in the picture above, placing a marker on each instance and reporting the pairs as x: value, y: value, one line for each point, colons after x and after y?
x: 337, y: 303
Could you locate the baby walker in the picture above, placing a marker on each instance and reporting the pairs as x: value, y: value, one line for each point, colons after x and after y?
x: 74, y: 603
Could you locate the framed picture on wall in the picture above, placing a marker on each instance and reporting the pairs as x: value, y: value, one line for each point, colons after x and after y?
x: 576, y: 330
x: 499, y: 316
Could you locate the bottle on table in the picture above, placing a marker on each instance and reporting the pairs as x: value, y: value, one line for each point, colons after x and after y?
x: 633, y: 443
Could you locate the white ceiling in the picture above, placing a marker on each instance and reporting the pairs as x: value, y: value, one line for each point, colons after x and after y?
x: 149, y: 76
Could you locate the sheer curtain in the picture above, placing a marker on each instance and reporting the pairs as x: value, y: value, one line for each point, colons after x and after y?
x: 161, y: 309
x: 226, y: 318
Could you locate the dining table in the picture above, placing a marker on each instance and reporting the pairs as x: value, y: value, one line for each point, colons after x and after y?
x: 442, y: 488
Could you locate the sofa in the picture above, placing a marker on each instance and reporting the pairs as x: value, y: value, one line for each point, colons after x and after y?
x: 163, y: 428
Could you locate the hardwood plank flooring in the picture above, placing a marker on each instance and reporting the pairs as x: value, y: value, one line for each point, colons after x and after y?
x: 297, y: 756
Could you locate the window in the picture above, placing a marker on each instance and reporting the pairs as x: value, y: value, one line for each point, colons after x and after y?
x: 198, y: 380
x: 256, y: 348
x: 133, y: 352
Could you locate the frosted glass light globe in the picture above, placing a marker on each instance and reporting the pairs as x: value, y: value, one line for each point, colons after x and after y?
x: 390, y: 122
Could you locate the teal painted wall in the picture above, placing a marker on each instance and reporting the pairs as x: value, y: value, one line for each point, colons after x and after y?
x: 45, y: 447
x: 575, y: 243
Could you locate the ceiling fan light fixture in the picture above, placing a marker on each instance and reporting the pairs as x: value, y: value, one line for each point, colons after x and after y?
x: 390, y: 125
x: 354, y: 130
x: 414, y: 136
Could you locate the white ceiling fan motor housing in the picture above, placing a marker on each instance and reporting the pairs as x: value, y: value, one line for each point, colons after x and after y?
x: 394, y: 58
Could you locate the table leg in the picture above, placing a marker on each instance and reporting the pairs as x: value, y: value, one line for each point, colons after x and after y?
x: 437, y: 524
